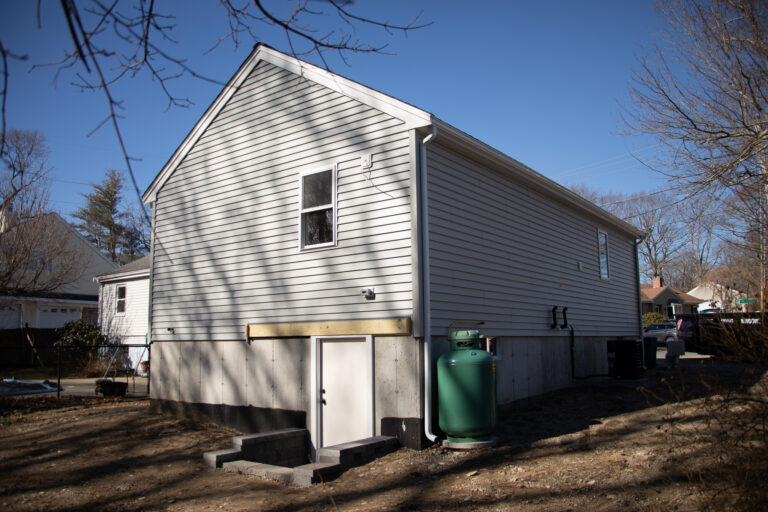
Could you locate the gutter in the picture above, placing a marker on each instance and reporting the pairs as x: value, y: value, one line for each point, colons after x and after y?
x: 126, y: 276
x: 425, y: 277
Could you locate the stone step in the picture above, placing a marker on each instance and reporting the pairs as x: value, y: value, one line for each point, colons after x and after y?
x: 308, y: 474
x: 356, y: 453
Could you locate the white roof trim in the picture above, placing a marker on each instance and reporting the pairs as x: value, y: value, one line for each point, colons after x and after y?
x: 124, y: 276
x: 410, y: 115
x: 48, y: 300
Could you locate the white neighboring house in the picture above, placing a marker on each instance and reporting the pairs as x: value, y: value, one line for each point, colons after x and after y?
x: 72, y: 301
x: 718, y: 296
x: 124, y: 306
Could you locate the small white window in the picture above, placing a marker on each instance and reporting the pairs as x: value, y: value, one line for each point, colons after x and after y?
x: 602, y: 251
x: 317, y: 219
x: 121, y: 296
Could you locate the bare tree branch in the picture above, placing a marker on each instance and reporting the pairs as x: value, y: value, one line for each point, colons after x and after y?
x: 120, y: 39
x: 35, y: 250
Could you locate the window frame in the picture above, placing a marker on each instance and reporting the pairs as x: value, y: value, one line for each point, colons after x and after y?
x: 123, y: 300
x: 332, y: 205
x: 603, y: 271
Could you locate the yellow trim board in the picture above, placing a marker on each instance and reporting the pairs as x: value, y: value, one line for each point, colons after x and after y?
x: 343, y: 327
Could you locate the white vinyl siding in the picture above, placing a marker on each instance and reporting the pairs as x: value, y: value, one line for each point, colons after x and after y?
x: 505, y: 254
x: 226, y: 225
x: 131, y: 325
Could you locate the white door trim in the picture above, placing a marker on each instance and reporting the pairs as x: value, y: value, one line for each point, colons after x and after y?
x: 315, y: 421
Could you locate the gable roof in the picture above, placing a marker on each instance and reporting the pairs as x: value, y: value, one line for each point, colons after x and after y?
x: 135, y: 269
x: 650, y: 294
x: 411, y: 116
x: 75, y: 233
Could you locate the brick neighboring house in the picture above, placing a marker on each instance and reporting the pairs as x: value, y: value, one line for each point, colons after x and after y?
x: 660, y: 298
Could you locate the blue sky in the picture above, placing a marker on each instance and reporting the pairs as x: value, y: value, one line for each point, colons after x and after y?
x: 543, y: 81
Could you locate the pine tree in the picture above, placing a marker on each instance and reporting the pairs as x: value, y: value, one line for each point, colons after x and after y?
x: 106, y: 224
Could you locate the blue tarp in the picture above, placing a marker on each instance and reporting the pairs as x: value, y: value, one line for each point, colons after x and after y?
x: 10, y: 387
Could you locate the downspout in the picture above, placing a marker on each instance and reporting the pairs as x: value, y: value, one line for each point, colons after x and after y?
x: 639, y: 296
x: 148, y: 338
x: 425, y: 276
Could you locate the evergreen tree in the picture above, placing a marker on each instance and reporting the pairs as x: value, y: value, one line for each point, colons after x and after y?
x: 106, y: 223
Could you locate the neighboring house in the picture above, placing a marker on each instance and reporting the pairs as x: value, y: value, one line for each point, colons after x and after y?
x: 314, y: 239
x: 660, y: 298
x: 74, y: 300
x: 714, y: 296
x: 124, y: 307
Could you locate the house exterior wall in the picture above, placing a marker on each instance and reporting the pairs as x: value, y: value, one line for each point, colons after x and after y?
x: 265, y: 384
x: 130, y: 326
x: 227, y: 227
x: 506, y: 254
x: 226, y: 254
x: 38, y: 314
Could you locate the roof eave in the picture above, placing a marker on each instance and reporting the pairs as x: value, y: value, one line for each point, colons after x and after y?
x: 124, y: 276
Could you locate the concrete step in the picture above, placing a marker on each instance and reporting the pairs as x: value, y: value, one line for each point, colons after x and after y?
x: 357, y: 453
x: 279, y: 473
x: 282, y: 455
x: 286, y: 447
x: 216, y: 458
x: 308, y: 474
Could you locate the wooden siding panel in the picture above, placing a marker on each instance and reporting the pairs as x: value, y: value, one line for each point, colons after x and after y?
x: 504, y: 254
x: 226, y: 247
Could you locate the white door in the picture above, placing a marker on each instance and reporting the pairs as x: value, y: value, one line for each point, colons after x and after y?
x: 345, y: 390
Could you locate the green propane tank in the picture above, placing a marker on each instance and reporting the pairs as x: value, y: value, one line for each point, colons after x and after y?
x: 466, y: 389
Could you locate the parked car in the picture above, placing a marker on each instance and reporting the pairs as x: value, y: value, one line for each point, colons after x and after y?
x: 663, y: 331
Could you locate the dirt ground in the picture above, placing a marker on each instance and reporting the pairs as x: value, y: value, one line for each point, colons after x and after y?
x: 607, y: 445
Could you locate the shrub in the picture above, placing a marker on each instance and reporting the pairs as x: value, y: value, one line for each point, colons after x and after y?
x: 735, y: 465
x: 80, y: 335
x: 80, y: 342
x: 653, y: 318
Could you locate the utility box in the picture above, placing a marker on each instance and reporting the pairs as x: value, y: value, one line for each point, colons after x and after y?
x: 625, y: 359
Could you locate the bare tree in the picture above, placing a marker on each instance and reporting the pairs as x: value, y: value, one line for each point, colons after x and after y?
x: 35, y: 255
x: 738, y: 271
x: 702, y: 220
x: 119, y: 39
x: 656, y: 214
x: 704, y: 95
x: 24, y: 187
